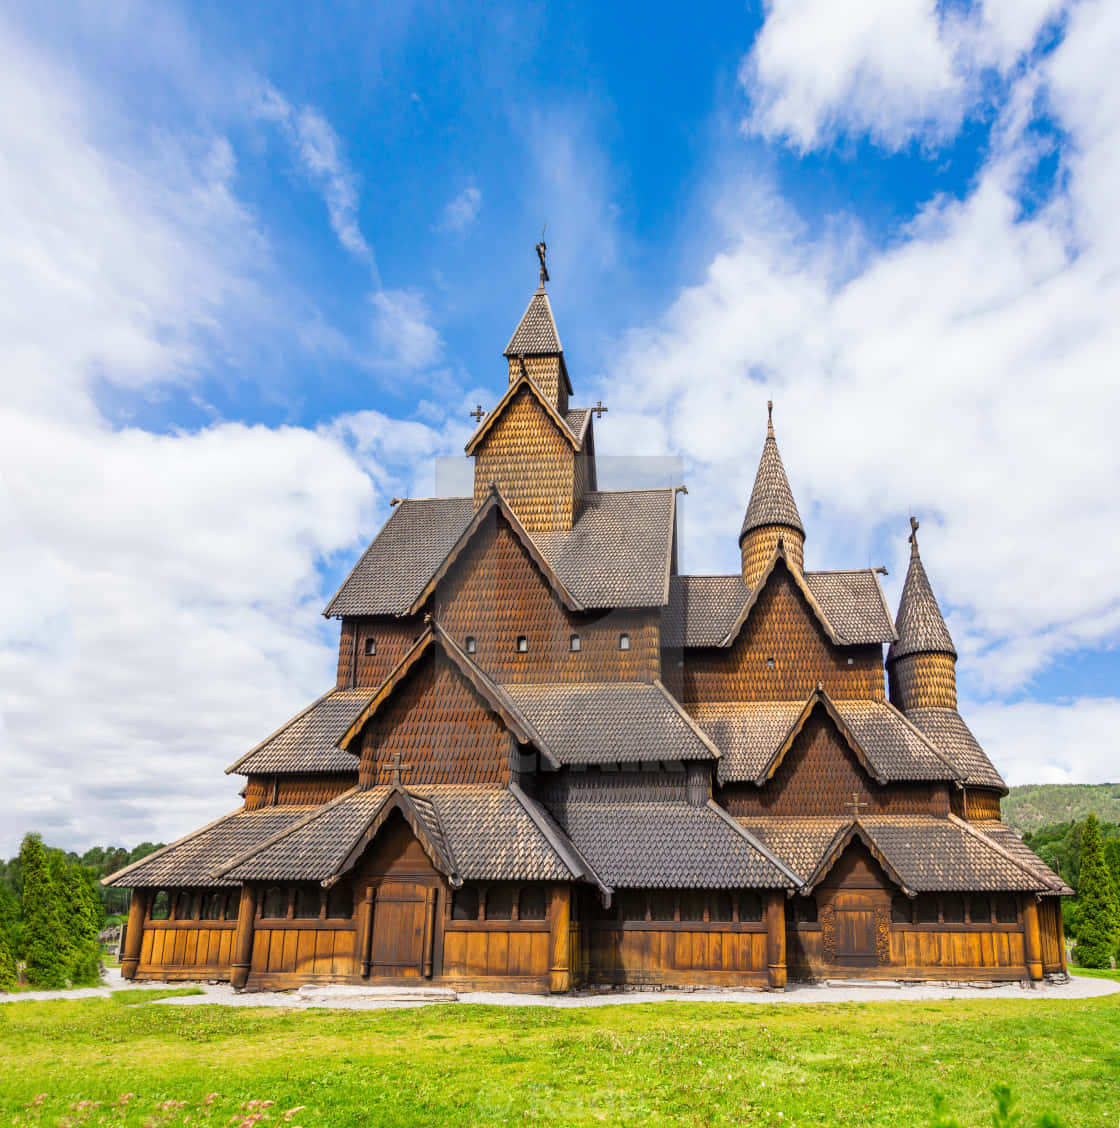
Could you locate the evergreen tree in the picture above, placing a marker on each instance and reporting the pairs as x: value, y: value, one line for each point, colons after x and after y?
x: 1098, y: 912
x: 9, y: 977
x: 9, y: 919
x: 45, y: 948
x: 82, y: 915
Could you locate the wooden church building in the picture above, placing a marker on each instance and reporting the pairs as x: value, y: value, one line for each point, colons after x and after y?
x: 549, y: 761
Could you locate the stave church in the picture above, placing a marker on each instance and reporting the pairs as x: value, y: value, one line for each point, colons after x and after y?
x: 551, y: 762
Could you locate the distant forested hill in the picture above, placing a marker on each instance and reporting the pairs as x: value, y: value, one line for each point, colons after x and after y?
x: 1046, y: 804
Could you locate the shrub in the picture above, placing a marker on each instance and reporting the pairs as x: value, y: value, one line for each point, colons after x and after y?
x: 8, y: 974
x: 44, y: 937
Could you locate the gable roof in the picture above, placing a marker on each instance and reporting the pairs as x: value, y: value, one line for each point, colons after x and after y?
x: 771, y: 500
x: 523, y: 383
x: 921, y: 853
x: 754, y: 737
x: 471, y: 833
x: 611, y: 722
x: 920, y: 626
x: 495, y: 503
x: 436, y: 638
x: 618, y: 552
x: 703, y: 610
x: 946, y: 730
x: 309, y: 741
x: 536, y: 333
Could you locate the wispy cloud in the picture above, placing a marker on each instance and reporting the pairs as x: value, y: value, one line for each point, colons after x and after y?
x: 402, y: 333
x: 461, y: 213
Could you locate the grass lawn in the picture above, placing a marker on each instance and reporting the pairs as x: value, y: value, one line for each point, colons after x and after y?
x: 695, y: 1064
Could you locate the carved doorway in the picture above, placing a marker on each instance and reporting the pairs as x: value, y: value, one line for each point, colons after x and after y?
x: 402, y: 925
x: 854, y: 924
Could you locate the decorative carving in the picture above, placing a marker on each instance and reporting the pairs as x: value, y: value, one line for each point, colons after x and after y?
x: 882, y: 934
x: 827, y: 918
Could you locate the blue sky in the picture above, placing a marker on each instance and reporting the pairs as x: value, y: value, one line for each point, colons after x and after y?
x: 259, y: 263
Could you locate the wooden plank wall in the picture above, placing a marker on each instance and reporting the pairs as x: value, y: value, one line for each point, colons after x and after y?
x: 186, y: 950
x: 296, y: 948
x: 519, y: 950
x: 701, y: 955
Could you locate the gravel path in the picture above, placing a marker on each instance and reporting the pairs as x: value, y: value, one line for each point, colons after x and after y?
x: 387, y: 998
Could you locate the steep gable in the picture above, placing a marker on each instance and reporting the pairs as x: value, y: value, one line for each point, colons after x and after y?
x: 782, y: 626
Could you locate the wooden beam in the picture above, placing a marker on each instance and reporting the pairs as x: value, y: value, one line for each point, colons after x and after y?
x: 776, y: 939
x: 560, y: 920
x: 365, y: 927
x: 134, y: 933
x: 243, y: 940
x: 1033, y: 936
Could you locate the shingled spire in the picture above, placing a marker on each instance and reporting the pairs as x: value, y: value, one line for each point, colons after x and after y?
x: 771, y: 514
x: 922, y: 662
x: 534, y: 349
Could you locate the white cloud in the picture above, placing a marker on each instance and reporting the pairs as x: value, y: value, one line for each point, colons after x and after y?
x: 461, y: 213
x: 964, y: 373
x: 402, y: 334
x: 891, y: 69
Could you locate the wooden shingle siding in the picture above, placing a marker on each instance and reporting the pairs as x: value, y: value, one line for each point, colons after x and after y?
x: 546, y: 372
x: 923, y: 681
x: 267, y: 791
x: 782, y: 626
x: 760, y: 544
x: 531, y: 463
x: 441, y: 727
x: 819, y: 775
x: 495, y: 593
x: 392, y: 637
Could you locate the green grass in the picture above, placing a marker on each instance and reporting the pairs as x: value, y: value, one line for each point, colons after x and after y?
x: 1095, y: 972
x: 138, y: 995
x: 692, y: 1064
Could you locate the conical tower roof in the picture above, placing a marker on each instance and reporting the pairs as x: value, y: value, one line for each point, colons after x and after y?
x: 771, y: 499
x: 536, y: 333
x: 919, y: 624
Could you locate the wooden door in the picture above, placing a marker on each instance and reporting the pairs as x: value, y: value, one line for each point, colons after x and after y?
x: 402, y: 922
x: 854, y: 917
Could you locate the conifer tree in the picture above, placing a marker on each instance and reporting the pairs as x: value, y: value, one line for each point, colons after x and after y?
x: 1098, y: 911
x: 82, y: 917
x: 8, y: 974
x: 45, y: 947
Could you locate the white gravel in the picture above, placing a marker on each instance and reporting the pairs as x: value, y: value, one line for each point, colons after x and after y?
x: 389, y: 998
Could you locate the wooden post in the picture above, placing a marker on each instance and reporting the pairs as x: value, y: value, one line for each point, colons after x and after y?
x: 1061, y: 934
x: 367, y: 932
x: 776, y: 939
x: 1033, y: 936
x: 243, y: 937
x: 559, y: 930
x: 134, y: 933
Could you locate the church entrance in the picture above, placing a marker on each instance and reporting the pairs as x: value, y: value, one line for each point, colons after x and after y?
x: 854, y: 922
x: 403, y: 924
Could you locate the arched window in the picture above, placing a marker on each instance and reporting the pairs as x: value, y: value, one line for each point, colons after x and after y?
x: 750, y: 908
x: 1007, y: 910
x: 522, y: 644
x: 926, y: 909
x: 662, y: 904
x: 499, y: 902
x: 573, y: 642
x: 212, y: 905
x: 472, y: 644
x: 901, y: 910
x: 371, y: 647
x: 531, y: 903
x: 275, y: 903
x: 464, y: 903
x: 307, y: 902
x: 632, y: 902
x: 340, y: 902
x: 161, y: 906
x: 624, y: 641
x: 802, y: 910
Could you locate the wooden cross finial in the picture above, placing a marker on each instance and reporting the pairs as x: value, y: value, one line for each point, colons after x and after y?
x: 397, y: 767
x: 542, y: 250
x: 770, y: 418
x: 856, y: 804
x: 478, y: 414
x: 599, y: 409
x: 914, y: 531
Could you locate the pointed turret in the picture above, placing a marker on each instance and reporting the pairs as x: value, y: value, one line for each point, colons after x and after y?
x: 921, y: 664
x: 534, y: 349
x: 771, y: 514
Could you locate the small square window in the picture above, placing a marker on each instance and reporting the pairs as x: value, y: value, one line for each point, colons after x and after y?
x: 574, y: 643
x: 472, y: 644
x: 851, y: 661
x: 370, y: 647
x: 624, y: 641
x: 770, y: 663
x: 522, y: 644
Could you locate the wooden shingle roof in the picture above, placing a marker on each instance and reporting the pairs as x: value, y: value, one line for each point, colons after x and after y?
x: 771, y: 500
x: 617, y: 554
x: 536, y: 333
x: 920, y: 626
x: 946, y: 730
